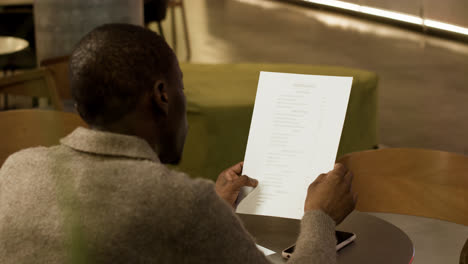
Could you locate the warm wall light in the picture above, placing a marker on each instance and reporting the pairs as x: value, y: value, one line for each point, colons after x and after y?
x: 391, y: 15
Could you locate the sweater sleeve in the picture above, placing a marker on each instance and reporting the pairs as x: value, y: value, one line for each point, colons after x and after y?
x: 215, y: 233
x: 316, y: 243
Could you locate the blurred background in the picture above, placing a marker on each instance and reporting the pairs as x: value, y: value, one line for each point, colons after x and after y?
x: 407, y: 119
x: 423, y: 75
x: 423, y: 78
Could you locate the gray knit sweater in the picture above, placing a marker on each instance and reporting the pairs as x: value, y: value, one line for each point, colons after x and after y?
x: 105, y: 198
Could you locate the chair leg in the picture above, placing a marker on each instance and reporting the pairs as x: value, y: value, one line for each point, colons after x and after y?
x: 187, y: 39
x: 5, y: 101
x: 6, y: 69
x: 4, y: 96
x: 174, y: 35
x: 161, y: 32
x: 35, y: 102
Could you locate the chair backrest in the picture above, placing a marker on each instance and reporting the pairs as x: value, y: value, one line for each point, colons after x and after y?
x: 36, y: 83
x: 418, y: 182
x: 464, y: 254
x: 60, y: 72
x: 22, y: 129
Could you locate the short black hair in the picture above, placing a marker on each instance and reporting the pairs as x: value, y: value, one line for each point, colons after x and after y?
x: 112, y: 67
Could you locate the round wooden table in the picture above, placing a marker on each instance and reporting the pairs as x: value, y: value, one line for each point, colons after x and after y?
x: 411, y: 181
x: 435, y: 241
x: 377, y: 241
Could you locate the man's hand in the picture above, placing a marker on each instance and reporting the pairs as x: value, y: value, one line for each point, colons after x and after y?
x: 230, y: 181
x: 332, y: 194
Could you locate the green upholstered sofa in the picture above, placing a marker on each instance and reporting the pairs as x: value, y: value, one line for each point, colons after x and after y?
x: 220, y: 100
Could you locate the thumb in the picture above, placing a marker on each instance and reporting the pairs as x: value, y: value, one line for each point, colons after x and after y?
x: 245, y: 180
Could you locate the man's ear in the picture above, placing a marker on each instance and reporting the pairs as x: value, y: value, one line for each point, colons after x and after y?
x: 160, y: 97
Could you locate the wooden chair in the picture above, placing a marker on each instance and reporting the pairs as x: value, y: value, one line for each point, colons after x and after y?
x: 156, y: 10
x: 34, y: 83
x: 417, y: 182
x: 172, y: 5
x: 22, y: 129
x: 60, y: 72
x: 464, y: 254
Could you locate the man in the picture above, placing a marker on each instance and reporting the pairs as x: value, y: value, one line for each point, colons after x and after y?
x: 104, y: 195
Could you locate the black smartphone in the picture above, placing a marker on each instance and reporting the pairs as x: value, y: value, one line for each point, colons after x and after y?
x: 342, y: 239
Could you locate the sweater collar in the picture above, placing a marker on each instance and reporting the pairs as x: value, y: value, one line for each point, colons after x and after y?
x: 106, y: 143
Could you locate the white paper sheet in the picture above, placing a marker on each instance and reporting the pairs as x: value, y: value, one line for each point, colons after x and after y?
x: 294, y: 136
x: 265, y: 251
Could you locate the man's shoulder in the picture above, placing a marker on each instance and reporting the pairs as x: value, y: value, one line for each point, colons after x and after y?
x: 154, y: 179
x: 173, y: 195
x: 182, y: 182
x: 28, y: 156
x: 144, y: 176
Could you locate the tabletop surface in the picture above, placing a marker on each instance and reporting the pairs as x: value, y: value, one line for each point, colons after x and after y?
x: 435, y: 241
x: 377, y: 241
x: 416, y: 182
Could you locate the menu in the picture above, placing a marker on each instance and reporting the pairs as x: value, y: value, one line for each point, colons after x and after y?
x: 294, y: 136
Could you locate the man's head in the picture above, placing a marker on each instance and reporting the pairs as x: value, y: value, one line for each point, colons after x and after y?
x: 126, y: 79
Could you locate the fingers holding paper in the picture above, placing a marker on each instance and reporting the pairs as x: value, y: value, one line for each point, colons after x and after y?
x: 230, y: 182
x: 332, y: 193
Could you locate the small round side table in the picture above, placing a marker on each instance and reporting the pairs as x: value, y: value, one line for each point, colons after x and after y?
x: 377, y: 241
x: 9, y: 46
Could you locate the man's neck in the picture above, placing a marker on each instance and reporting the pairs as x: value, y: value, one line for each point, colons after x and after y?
x: 147, y: 133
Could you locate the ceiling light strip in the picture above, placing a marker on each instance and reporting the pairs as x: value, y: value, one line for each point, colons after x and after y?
x: 335, y: 3
x: 445, y: 26
x: 391, y: 15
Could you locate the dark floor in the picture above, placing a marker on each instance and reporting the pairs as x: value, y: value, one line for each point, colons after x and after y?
x: 423, y: 80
